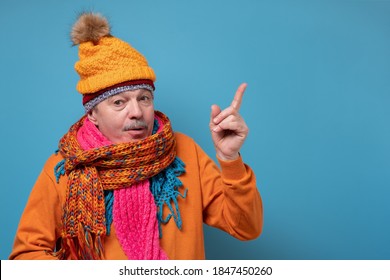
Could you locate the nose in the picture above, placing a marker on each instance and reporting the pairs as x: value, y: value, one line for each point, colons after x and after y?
x: 134, y: 110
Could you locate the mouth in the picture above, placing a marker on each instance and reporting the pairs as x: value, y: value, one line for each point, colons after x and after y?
x: 138, y: 132
x: 135, y: 127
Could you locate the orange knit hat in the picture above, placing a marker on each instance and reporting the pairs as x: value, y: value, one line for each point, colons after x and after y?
x: 106, y: 61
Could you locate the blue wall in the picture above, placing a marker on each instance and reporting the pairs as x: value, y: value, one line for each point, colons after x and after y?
x: 317, y: 105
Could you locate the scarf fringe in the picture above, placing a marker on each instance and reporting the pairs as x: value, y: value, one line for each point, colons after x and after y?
x: 165, y: 190
x: 85, y: 246
x: 59, y: 170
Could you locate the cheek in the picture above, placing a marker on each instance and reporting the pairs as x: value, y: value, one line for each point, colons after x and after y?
x: 114, y: 122
x: 150, y: 117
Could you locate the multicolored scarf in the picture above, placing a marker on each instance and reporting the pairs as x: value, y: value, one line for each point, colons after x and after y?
x: 112, y: 167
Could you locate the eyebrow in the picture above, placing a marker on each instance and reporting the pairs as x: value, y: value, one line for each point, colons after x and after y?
x: 147, y: 91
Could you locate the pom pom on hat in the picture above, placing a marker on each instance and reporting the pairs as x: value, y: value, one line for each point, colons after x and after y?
x: 106, y: 62
x: 89, y: 27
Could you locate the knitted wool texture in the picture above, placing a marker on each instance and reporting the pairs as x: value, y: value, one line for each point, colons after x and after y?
x: 105, y: 60
x: 134, y: 208
x: 110, y: 167
x: 136, y: 222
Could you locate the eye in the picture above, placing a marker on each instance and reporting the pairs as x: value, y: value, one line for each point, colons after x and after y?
x: 118, y: 102
x: 146, y: 99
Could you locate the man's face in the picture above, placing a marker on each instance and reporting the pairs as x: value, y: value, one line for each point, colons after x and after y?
x: 125, y: 117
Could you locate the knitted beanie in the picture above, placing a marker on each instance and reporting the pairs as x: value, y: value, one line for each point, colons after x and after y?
x: 107, y: 65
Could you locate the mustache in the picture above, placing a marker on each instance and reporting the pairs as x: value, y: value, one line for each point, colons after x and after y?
x: 137, y: 124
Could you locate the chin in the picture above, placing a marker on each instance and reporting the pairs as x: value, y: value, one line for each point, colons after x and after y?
x: 135, y: 138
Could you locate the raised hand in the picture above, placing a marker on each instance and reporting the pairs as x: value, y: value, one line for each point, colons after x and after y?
x: 228, y: 128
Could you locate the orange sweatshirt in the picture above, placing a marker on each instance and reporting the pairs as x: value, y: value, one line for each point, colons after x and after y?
x: 225, y: 198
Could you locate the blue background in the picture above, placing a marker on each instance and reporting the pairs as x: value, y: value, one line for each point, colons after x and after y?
x: 317, y: 105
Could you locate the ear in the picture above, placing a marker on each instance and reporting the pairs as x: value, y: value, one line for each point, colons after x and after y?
x: 92, y: 117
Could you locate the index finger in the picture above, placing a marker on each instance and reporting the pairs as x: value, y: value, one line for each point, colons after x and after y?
x: 236, y: 103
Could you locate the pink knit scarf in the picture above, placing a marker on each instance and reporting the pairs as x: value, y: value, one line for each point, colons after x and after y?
x: 135, y: 218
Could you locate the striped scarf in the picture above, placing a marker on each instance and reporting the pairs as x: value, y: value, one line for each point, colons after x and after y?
x: 112, y: 167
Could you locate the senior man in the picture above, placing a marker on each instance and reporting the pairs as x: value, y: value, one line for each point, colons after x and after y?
x: 123, y: 185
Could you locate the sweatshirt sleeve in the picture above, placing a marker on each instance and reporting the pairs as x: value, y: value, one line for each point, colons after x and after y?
x: 231, y: 200
x: 39, y: 224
